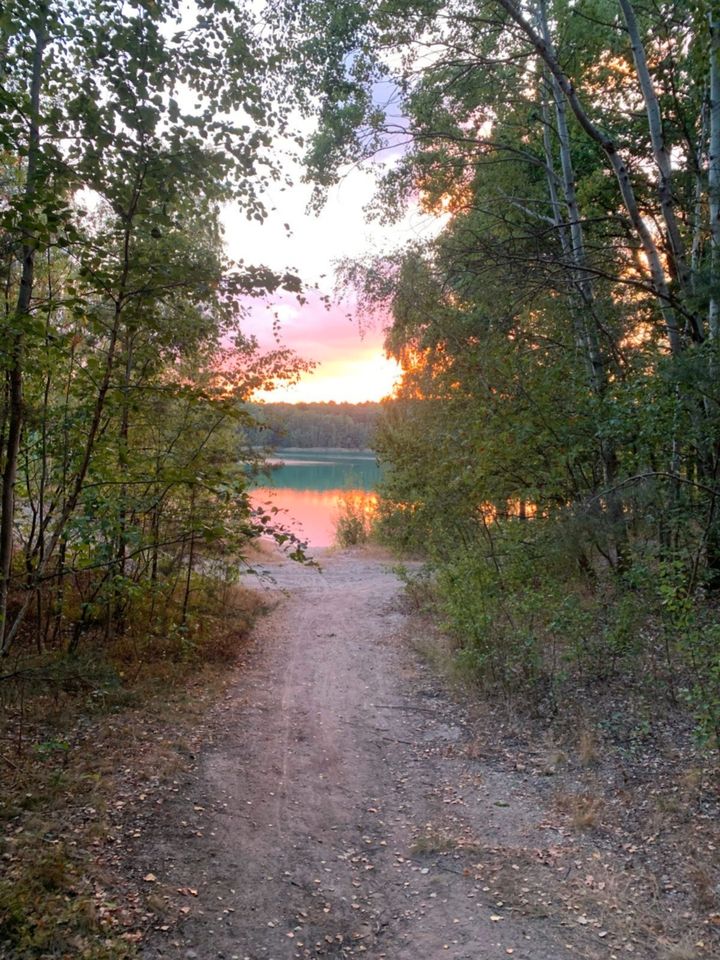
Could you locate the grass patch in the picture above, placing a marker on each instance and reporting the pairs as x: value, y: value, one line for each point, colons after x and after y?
x: 433, y: 842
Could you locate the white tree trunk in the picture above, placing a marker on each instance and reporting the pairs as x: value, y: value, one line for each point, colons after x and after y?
x: 714, y: 178
x: 582, y: 280
x: 661, y: 154
x: 699, y: 200
x: 659, y: 280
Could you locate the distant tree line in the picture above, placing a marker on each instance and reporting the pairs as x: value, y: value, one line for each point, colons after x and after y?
x: 349, y: 426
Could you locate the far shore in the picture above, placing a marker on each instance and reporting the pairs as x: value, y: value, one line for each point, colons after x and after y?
x: 351, y: 450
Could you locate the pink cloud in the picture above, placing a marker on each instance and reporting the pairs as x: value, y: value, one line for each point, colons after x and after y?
x: 316, y: 331
x: 351, y: 364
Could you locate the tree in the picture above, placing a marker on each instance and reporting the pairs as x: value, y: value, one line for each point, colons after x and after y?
x: 125, y: 128
x: 558, y: 414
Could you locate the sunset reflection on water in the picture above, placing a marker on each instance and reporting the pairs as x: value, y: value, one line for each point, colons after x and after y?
x: 310, y: 514
x: 310, y: 486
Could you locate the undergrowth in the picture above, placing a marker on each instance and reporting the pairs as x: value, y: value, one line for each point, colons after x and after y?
x: 600, y: 690
x: 74, y: 730
x: 354, y: 524
x: 532, y: 625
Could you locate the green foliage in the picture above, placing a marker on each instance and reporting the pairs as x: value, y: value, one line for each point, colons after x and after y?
x: 131, y: 375
x: 355, y: 519
x: 554, y: 445
x: 692, y: 635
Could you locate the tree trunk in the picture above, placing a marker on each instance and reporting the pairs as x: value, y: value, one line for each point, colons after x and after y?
x: 696, y: 247
x: 587, y: 324
x: 661, y: 154
x: 15, y: 375
x: 119, y: 592
x: 660, y: 284
x: 582, y: 281
x: 712, y: 549
x: 714, y: 180
x: 191, y: 560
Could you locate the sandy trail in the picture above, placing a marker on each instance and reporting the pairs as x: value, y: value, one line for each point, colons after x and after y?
x: 341, y: 812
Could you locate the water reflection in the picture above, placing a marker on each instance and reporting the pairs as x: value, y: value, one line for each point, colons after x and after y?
x: 310, y: 487
x: 311, y: 514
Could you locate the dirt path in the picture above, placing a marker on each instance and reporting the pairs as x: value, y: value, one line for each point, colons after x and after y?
x: 344, y: 810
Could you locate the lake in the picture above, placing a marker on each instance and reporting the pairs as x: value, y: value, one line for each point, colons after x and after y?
x: 311, y: 484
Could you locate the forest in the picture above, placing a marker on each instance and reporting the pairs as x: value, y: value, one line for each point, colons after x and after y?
x: 553, y: 448
x: 126, y: 369
x: 552, y: 452
x: 349, y: 426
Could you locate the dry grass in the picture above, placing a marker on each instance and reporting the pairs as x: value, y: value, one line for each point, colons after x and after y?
x: 584, y: 810
x: 433, y: 842
x: 705, y: 888
x: 550, y: 756
x: 686, y: 950
x: 588, y: 748
x: 364, y: 551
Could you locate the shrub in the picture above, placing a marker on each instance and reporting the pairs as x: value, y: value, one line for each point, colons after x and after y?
x: 355, y: 520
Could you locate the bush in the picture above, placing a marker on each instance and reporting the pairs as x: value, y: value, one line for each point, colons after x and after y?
x: 355, y: 520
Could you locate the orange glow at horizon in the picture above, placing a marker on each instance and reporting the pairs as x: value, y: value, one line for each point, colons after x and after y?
x: 364, y: 376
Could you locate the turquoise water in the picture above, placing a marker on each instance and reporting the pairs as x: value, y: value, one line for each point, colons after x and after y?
x: 324, y: 470
x: 309, y: 486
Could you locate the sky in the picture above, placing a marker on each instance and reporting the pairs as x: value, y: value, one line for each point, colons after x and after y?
x: 351, y: 364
